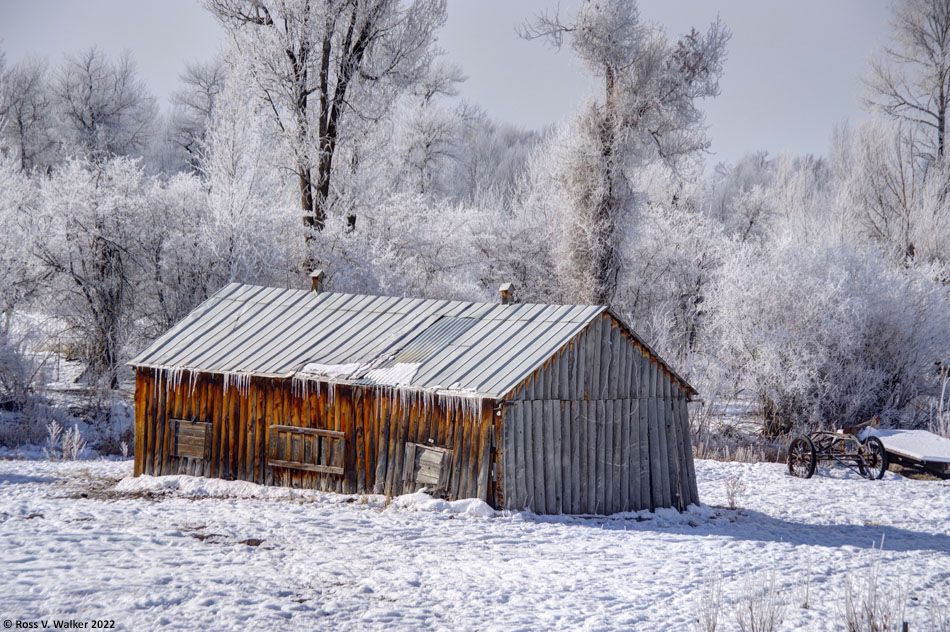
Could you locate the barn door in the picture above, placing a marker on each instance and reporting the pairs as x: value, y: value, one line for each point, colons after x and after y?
x: 425, y: 466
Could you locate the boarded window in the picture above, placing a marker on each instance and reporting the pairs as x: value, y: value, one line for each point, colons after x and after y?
x: 311, y: 449
x: 426, y: 466
x: 192, y: 439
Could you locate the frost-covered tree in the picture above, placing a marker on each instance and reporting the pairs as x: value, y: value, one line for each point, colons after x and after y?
x: 882, y: 183
x: 104, y: 107
x: 649, y: 111
x: 249, y: 229
x: 738, y: 196
x: 322, y: 66
x: 193, y: 108
x: 19, y: 277
x: 85, y: 239
x: 911, y: 80
x: 26, y: 114
x: 828, y: 333
x: 670, y: 265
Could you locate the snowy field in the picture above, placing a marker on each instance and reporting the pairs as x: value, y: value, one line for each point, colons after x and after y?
x: 84, y: 541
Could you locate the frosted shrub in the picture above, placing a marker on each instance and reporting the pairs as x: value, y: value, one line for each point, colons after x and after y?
x: 54, y: 433
x: 69, y: 444
x: 868, y: 606
x: 18, y: 374
x: 940, y: 412
x: 829, y: 333
x: 708, y: 604
x: 735, y: 489
x: 939, y: 617
x: 760, y: 608
x: 73, y: 444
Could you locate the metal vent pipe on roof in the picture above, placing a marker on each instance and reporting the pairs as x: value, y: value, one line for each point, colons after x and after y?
x: 316, y: 280
x: 507, y: 293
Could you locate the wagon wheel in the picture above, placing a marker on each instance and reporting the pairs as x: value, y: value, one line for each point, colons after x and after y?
x: 873, y: 461
x: 801, y: 457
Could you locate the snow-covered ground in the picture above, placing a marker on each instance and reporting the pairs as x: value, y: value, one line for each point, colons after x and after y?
x: 83, y: 540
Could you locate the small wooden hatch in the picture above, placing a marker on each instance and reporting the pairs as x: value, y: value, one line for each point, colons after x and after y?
x: 192, y: 439
x: 426, y: 466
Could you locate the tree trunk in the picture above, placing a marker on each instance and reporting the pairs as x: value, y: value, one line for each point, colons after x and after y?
x: 306, y: 198
x: 605, y: 261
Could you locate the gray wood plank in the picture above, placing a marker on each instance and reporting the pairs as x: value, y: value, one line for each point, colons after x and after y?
x: 593, y: 360
x: 521, y: 489
x: 600, y: 457
x: 644, y: 465
x: 663, y: 420
x: 408, y: 464
x: 609, y: 483
x: 506, y: 459
x: 682, y: 438
x: 682, y: 485
x: 663, y: 455
x: 624, y: 453
x: 580, y: 355
x: 590, y: 462
x: 669, y: 453
x: 621, y: 350
x: 564, y: 384
x: 552, y: 453
x: 616, y: 353
x: 623, y: 387
x: 619, y: 469
x: 576, y: 504
x: 485, y: 437
x: 565, y: 472
x: 572, y: 391
x: 656, y: 483
x: 605, y: 358
x: 690, y: 467
x: 529, y: 446
x: 634, y: 421
x: 615, y: 415
x: 538, y: 432
x: 618, y: 455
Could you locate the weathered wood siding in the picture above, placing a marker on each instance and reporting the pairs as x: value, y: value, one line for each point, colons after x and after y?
x: 376, y: 425
x: 602, y: 427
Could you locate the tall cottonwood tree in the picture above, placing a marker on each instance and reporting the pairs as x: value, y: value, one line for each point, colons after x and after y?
x: 26, y: 116
x: 317, y: 63
x: 648, y: 111
x: 911, y: 80
x: 194, y: 108
x: 105, y: 109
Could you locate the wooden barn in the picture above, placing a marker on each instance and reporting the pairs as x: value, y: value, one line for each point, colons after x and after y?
x: 555, y: 408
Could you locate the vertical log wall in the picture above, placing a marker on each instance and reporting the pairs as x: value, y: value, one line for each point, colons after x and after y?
x: 602, y: 427
x: 377, y: 424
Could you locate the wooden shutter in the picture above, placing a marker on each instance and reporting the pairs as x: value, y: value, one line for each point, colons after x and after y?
x: 192, y: 439
x: 310, y: 449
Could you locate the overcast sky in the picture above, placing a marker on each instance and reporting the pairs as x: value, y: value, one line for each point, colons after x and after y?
x: 793, y: 71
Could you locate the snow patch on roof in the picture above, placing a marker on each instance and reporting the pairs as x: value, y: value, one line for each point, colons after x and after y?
x: 332, y: 370
x: 400, y: 374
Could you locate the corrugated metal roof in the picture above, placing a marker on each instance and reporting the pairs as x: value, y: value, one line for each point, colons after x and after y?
x: 478, y: 348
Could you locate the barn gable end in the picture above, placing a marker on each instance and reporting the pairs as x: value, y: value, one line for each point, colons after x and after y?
x: 602, y: 426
